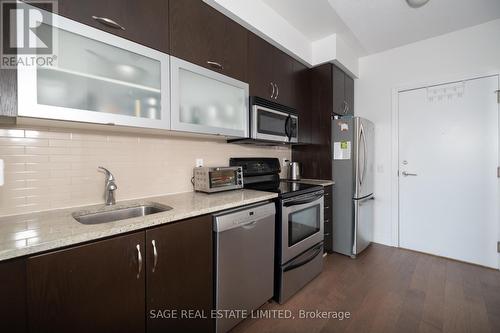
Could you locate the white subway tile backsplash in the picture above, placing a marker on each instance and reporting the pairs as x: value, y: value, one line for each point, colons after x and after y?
x: 51, y: 168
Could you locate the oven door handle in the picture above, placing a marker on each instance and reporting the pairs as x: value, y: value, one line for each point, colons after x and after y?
x: 317, y: 250
x: 301, y: 202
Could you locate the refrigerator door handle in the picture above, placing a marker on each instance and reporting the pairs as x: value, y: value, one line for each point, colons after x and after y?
x: 363, y: 175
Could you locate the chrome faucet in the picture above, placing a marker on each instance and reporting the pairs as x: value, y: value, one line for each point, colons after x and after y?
x: 109, y: 187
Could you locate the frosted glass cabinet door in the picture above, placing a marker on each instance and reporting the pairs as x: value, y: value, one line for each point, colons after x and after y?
x: 98, y: 78
x: 204, y: 101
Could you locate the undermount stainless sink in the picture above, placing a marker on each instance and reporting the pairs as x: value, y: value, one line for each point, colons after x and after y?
x: 120, y: 213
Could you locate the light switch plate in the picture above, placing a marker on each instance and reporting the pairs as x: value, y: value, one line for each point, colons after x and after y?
x: 199, y: 162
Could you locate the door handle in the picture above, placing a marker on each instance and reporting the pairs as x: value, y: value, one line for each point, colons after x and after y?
x: 249, y: 225
x: 406, y: 174
x: 216, y: 65
x: 108, y: 22
x: 274, y: 89
x: 365, y: 150
x: 139, y: 260
x: 155, y: 255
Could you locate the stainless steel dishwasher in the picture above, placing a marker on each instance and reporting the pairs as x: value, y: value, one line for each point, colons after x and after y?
x: 244, y: 265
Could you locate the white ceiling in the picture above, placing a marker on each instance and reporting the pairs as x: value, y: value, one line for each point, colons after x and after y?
x: 378, y: 25
x: 315, y: 19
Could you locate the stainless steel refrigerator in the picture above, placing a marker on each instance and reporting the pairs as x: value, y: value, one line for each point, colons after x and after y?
x: 353, y: 171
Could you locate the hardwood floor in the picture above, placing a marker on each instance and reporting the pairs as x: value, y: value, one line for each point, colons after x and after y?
x: 393, y: 290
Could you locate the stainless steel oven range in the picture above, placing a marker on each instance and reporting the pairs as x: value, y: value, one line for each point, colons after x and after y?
x: 299, y: 225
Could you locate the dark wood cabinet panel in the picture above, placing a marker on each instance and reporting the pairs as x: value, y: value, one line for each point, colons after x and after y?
x: 8, y: 95
x: 332, y: 92
x: 89, y: 288
x: 260, y: 67
x: 321, y: 103
x: 203, y: 36
x: 301, y: 100
x: 328, y: 228
x: 182, y: 278
x: 13, y: 296
x: 270, y: 72
x: 338, y: 97
x: 349, y: 94
x: 284, y: 78
x: 144, y: 21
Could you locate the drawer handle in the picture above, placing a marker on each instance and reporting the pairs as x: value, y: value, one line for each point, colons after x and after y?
x: 139, y: 260
x: 317, y: 251
x: 327, y: 207
x: 108, y: 22
x: 327, y: 221
x: 155, y: 255
x: 215, y: 65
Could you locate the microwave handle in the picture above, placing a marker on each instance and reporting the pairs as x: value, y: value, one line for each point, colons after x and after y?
x: 287, y: 124
x: 301, y: 202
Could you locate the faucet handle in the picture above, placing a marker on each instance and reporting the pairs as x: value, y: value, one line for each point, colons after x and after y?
x: 109, y: 175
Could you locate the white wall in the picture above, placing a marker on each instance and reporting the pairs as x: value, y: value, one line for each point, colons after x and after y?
x: 461, y: 54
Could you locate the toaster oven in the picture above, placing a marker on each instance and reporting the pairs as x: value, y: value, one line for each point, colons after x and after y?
x: 217, y: 179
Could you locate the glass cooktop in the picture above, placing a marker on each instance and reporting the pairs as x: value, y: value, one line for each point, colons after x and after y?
x: 285, y: 188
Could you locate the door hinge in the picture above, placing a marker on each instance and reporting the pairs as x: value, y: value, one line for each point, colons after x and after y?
x: 498, y: 247
x: 498, y: 96
x: 498, y: 172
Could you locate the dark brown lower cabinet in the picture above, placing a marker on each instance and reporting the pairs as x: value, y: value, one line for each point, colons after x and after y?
x: 98, y: 287
x: 328, y: 227
x: 13, y: 296
x: 179, y: 276
x: 128, y: 283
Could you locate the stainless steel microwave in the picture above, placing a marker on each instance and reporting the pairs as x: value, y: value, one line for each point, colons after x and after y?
x: 273, y: 122
x: 217, y: 179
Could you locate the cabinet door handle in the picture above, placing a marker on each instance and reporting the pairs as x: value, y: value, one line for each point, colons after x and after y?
x: 215, y: 65
x: 108, y: 22
x: 277, y: 92
x: 139, y: 260
x: 155, y: 255
x: 274, y: 89
x: 345, y: 107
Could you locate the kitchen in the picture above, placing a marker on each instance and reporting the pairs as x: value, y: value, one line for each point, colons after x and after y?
x: 217, y: 165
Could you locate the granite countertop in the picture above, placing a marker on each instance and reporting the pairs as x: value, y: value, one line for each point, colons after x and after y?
x: 32, y: 233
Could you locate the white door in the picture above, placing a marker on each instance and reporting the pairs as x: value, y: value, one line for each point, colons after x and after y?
x: 448, y: 158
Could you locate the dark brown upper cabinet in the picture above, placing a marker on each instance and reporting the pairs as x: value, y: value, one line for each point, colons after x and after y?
x: 13, y: 295
x: 203, y: 36
x: 142, y: 21
x: 343, y: 93
x: 98, y: 287
x: 179, y: 274
x: 349, y: 94
x: 331, y: 93
x: 270, y: 72
x: 302, y: 96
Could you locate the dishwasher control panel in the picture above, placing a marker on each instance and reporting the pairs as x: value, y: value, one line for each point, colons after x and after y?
x: 236, y: 218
